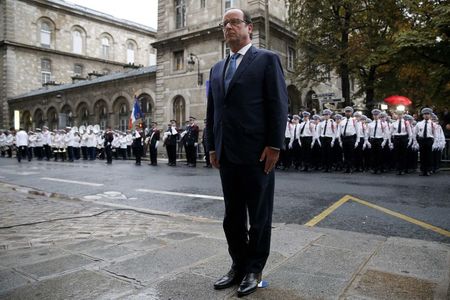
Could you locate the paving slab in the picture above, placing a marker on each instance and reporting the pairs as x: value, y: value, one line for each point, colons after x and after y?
x: 86, y: 245
x: 161, y: 261
x: 421, y: 259
x: 289, y: 239
x: 380, y: 285
x: 145, y: 244
x: 10, y: 280
x: 109, y: 253
x: 178, y: 235
x: 30, y: 256
x: 79, y: 285
x: 55, y: 266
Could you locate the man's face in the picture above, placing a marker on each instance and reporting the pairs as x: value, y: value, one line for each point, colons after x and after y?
x: 426, y: 116
x: 235, y: 30
x: 295, y: 121
x: 348, y: 114
x: 326, y: 117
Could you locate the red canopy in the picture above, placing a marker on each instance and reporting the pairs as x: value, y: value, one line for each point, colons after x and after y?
x: 398, y: 100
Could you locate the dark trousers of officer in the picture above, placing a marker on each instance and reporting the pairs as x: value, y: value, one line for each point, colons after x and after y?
x: 337, y: 156
x: 153, y: 155
x: 426, y: 154
x: 30, y: 151
x: 296, y: 153
x: 123, y: 153
x: 191, y: 154
x: 306, y: 152
x: 400, y: 152
x: 108, y: 152
x: 326, y: 153
x: 247, y: 191
x: 38, y: 152
x: 76, y: 153
x: 316, y: 156
x: 70, y: 153
x: 377, y: 154
x: 48, y: 152
x: 91, y: 152
x: 84, y: 152
x: 138, y: 150
x: 436, y: 161
x: 348, y: 146
x: 285, y: 154
x: 358, y: 154
x: 22, y: 152
x: 172, y: 154
x: 129, y: 151
x: 205, y: 150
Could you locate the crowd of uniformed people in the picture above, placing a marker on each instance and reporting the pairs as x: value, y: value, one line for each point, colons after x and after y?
x: 328, y: 142
x: 354, y: 142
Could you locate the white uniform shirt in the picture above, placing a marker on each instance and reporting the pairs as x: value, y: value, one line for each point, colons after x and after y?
x: 327, y: 128
x: 306, y: 129
x: 377, y: 129
x: 420, y: 129
x: 289, y: 128
x: 46, y: 137
x: 348, y: 127
x: 91, y: 140
x: 21, y: 138
x: 295, y: 132
x: 2, y: 139
x: 405, y: 128
x: 32, y: 140
x: 39, y: 139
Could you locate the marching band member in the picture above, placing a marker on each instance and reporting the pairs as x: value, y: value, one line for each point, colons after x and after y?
x: 91, y: 144
x: 153, y: 137
x: 31, y: 144
x: 21, y: 140
x: 170, y: 141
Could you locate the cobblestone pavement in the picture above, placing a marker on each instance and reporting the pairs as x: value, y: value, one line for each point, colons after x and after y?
x: 53, y: 247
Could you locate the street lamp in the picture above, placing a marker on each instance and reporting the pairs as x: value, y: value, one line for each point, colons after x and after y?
x: 191, y: 64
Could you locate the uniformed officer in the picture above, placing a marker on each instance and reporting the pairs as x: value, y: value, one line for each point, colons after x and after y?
x: 138, y: 148
x: 295, y: 143
x: 375, y: 139
x: 153, y: 142
x: 424, y: 132
x: 191, y: 142
x: 39, y: 144
x: 337, y: 147
x: 306, y: 138
x: 326, y: 131
x: 438, y: 144
x: 170, y: 138
x: 21, y: 144
x: 31, y: 144
x: 69, y: 141
x: 358, y: 152
x: 205, y: 146
x: 401, y: 135
x: 349, y: 138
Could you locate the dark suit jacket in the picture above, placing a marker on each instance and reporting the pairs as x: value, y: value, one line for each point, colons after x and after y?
x: 252, y: 113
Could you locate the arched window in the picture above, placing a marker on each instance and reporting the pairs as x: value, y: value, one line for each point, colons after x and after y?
x: 46, y: 70
x: 77, y: 42
x: 179, y: 109
x: 130, y: 52
x: 46, y: 34
x: 38, y: 118
x: 105, y: 47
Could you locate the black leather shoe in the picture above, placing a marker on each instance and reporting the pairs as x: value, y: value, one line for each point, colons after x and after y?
x: 249, y: 284
x: 231, y: 278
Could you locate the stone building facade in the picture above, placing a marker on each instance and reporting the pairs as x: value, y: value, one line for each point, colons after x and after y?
x: 55, y: 42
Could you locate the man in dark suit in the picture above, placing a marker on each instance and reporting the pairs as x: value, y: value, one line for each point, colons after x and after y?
x: 246, y: 122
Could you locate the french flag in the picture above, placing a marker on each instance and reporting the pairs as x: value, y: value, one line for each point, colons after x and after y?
x: 135, y: 113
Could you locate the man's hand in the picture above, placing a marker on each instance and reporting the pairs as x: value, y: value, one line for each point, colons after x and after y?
x: 271, y: 157
x: 213, y: 160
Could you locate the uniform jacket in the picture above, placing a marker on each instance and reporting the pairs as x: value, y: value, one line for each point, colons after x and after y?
x: 251, y: 114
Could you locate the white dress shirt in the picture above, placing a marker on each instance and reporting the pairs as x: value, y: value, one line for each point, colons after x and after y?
x: 420, y: 129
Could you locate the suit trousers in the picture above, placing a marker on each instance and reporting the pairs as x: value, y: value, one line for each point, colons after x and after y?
x: 426, y: 154
x: 248, y: 191
x: 153, y: 154
x: 296, y: 153
x: 172, y: 153
x: 108, y: 152
x: 400, y: 152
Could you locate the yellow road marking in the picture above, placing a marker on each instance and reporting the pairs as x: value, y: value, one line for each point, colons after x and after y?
x: 328, y: 211
x: 403, y: 217
x: 347, y: 198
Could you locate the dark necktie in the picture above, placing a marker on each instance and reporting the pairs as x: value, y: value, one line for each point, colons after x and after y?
x: 375, y: 130
x: 231, y: 69
x: 345, y: 128
x: 295, y: 132
x: 425, y: 129
x: 303, y: 128
x: 325, y: 129
x: 399, y: 130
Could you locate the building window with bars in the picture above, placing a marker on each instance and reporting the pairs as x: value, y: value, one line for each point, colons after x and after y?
x: 46, y: 70
x: 180, y: 13
x: 78, y: 70
x: 46, y: 35
x: 178, y: 60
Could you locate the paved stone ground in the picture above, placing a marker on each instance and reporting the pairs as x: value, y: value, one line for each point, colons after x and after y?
x: 53, y: 247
